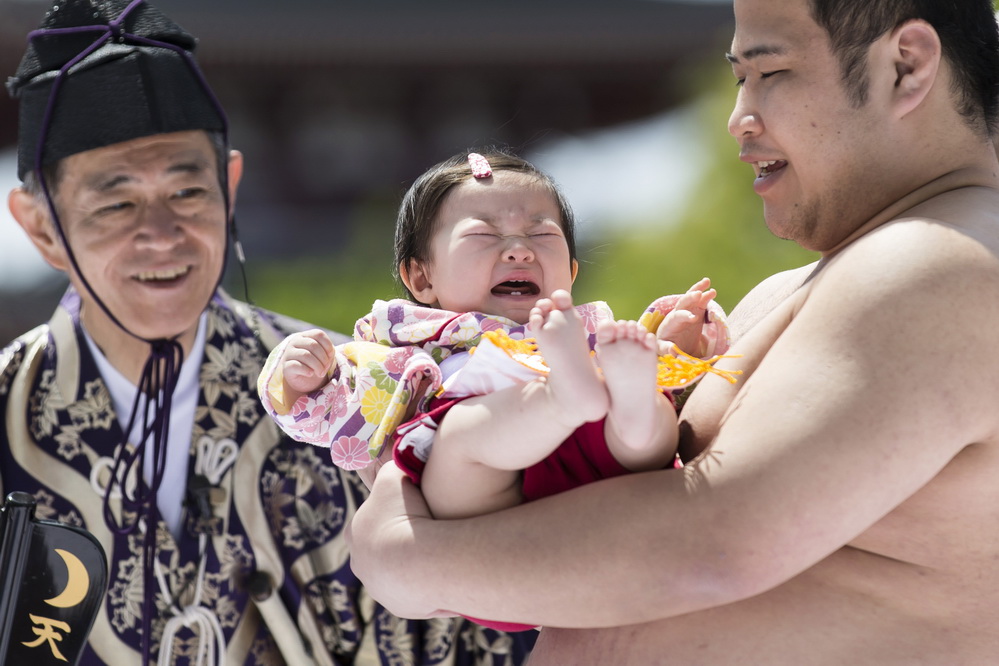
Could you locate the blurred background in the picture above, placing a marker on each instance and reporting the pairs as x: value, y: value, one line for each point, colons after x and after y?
x: 339, y: 106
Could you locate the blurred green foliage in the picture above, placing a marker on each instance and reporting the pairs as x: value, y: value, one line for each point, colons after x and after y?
x: 336, y: 289
x: 721, y: 235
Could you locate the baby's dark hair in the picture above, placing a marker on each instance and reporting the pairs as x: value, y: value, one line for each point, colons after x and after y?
x: 417, y: 218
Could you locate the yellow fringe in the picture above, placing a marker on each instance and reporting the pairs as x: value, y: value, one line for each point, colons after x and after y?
x: 674, y: 371
x: 678, y: 371
x: 502, y: 339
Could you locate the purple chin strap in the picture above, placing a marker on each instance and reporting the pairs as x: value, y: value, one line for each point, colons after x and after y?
x: 159, y: 376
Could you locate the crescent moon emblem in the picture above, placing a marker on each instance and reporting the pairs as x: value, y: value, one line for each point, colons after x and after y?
x: 76, y: 587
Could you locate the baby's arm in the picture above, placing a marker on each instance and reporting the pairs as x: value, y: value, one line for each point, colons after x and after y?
x: 641, y: 428
x: 684, y: 325
x: 305, y: 363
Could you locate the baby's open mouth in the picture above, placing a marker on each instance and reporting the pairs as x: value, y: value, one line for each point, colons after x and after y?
x: 517, y: 288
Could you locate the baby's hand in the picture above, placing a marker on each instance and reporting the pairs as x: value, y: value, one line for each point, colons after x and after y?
x: 684, y: 325
x: 306, y: 361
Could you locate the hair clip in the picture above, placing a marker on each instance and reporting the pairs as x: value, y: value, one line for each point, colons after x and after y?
x: 480, y: 166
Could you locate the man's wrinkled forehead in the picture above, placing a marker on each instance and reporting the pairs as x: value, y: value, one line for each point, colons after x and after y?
x: 103, y: 169
x: 118, y: 174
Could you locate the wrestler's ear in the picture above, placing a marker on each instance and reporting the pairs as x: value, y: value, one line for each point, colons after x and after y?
x: 916, y: 53
x: 416, y: 276
x: 32, y: 214
x: 235, y: 175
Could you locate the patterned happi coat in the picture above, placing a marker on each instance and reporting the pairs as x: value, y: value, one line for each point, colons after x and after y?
x: 278, y: 507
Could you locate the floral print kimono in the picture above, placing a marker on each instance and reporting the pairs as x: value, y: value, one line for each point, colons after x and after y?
x: 404, y: 356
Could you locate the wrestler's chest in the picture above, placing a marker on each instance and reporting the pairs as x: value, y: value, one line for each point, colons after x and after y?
x: 704, y: 411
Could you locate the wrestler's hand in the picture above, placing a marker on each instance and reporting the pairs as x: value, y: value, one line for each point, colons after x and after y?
x: 306, y: 361
x: 684, y: 325
x: 385, y: 533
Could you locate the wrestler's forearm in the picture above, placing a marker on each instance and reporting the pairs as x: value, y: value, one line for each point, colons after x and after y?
x: 544, y: 562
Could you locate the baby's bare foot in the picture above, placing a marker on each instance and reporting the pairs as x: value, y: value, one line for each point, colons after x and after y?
x: 627, y: 354
x: 574, y: 382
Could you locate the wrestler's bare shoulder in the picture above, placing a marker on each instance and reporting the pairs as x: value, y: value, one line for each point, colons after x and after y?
x: 960, y: 225
x: 766, y: 296
x: 969, y: 208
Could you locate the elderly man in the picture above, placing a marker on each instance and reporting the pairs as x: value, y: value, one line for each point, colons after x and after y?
x: 133, y: 411
x: 840, y: 504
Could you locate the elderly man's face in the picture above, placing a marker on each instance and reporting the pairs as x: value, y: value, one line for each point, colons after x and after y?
x: 146, y: 222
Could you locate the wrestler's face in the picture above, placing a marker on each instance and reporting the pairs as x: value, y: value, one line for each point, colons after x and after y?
x: 146, y: 222
x: 815, y: 152
x: 498, y: 246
